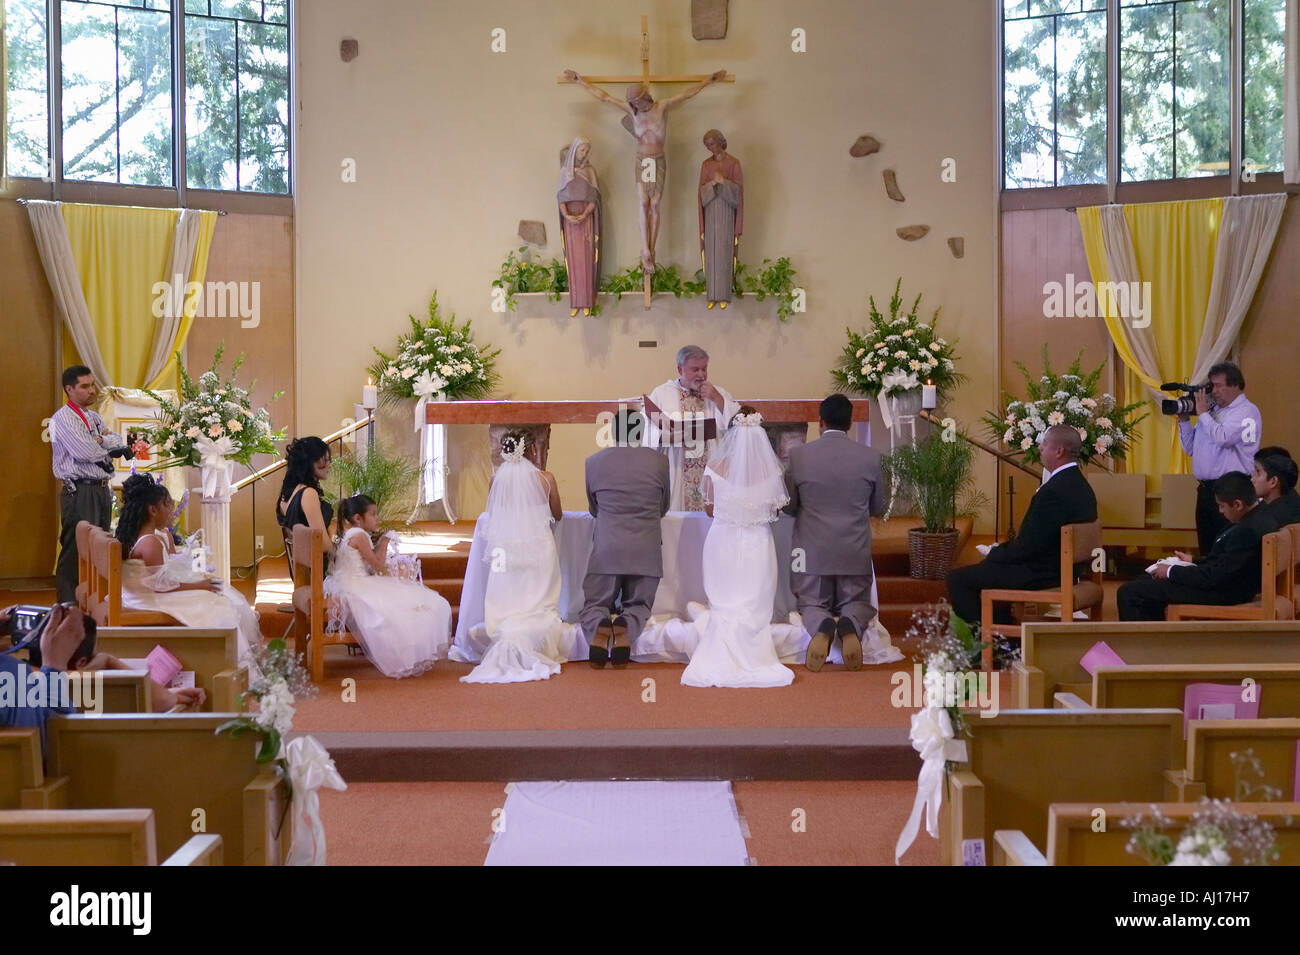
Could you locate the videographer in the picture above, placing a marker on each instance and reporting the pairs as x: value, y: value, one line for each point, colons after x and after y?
x: 66, y: 641
x: 1224, y: 439
x: 83, y: 461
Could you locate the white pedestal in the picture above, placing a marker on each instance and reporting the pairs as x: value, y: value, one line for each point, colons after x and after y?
x: 216, y: 534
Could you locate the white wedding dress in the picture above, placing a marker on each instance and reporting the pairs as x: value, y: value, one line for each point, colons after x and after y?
x: 154, y: 589
x: 402, y: 626
x: 522, y: 637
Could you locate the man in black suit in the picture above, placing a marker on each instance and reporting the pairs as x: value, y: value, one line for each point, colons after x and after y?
x: 1275, y: 479
x: 1228, y: 574
x: 1032, y: 561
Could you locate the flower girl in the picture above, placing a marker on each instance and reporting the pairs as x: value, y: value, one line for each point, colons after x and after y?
x: 402, y: 625
x: 157, y: 578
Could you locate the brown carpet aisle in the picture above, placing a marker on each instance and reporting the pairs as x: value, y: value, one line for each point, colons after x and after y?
x: 847, y: 823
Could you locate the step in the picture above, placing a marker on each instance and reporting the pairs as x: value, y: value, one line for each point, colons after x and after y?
x: 443, y: 565
x: 450, y: 587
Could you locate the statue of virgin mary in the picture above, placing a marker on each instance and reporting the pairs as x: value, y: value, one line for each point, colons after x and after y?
x: 579, y: 201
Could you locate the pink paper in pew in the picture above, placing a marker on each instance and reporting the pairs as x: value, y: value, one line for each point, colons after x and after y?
x: 1100, y: 655
x: 1218, y: 701
x: 163, y: 666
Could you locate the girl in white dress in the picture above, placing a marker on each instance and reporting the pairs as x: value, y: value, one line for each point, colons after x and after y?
x: 402, y: 625
x: 157, y: 578
x: 735, y: 642
x: 528, y: 638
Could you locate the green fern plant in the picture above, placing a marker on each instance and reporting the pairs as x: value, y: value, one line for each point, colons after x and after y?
x: 391, y: 481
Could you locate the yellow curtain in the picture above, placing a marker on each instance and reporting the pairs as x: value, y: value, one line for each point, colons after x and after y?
x: 121, y: 251
x: 1174, y: 245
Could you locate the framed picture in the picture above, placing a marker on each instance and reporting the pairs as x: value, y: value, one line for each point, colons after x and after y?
x: 133, y: 430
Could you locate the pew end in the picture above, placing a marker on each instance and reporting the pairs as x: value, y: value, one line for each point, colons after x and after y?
x: 1012, y: 847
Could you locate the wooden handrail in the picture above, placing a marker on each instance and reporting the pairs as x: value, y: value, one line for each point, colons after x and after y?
x: 272, y: 468
x: 1000, y: 455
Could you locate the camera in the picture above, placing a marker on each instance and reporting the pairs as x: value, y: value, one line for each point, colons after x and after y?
x: 27, y: 624
x: 1186, y: 404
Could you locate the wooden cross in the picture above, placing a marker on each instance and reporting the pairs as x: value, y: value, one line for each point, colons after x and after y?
x: 646, y: 78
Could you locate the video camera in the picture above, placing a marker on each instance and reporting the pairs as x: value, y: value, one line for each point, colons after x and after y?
x: 1186, y: 404
x: 28, y: 622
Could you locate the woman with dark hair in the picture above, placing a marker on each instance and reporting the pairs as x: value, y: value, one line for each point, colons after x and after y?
x: 156, y: 578
x: 301, y: 499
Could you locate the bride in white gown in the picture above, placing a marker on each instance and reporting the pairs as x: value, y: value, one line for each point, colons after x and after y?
x: 735, y: 642
x: 402, y: 625
x: 528, y: 638
x: 156, y: 578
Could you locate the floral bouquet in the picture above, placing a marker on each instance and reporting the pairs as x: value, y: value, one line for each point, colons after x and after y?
x: 279, y: 680
x: 947, y: 648
x: 898, y: 353
x: 436, y: 357
x: 1217, y: 835
x: 211, y: 409
x: 1105, y: 426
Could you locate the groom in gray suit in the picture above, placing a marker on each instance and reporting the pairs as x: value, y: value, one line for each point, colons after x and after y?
x: 628, y: 491
x: 835, y: 486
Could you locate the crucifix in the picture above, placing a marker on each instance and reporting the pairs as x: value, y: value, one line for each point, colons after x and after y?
x: 646, y: 120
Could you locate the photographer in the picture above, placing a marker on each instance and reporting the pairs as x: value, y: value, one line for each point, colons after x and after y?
x: 83, y: 461
x: 67, y: 639
x: 1224, y: 439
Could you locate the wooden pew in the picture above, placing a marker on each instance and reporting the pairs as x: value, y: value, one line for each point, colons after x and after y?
x: 175, y: 765
x: 310, y: 606
x: 1072, y: 841
x: 85, y: 568
x: 105, y: 592
x: 23, y: 783
x: 117, y: 691
x: 1051, y: 651
x: 212, y: 655
x: 80, y: 837
x: 1021, y: 761
x: 1163, y: 685
x: 1210, y: 745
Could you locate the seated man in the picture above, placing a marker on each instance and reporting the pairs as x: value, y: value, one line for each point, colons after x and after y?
x: 1275, y: 480
x: 1032, y: 561
x: 1228, y: 574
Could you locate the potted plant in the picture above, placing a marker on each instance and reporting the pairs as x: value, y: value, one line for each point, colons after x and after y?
x: 938, y: 473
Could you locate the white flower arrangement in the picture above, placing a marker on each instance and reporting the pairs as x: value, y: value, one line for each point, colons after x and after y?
x: 437, y: 348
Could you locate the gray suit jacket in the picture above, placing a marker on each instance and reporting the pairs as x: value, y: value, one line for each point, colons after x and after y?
x: 835, y: 485
x: 628, y: 491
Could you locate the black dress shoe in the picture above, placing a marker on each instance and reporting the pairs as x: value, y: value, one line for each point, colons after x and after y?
x: 621, y: 653
x: 850, y: 644
x: 820, y: 645
x: 599, y: 651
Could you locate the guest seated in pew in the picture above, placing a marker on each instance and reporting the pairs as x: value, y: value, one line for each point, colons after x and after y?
x: 1228, y: 574
x: 402, y: 625
x: 1032, y: 560
x: 1275, y: 480
x: 163, y: 699
x: 66, y: 640
x: 307, y: 463
x: 156, y: 578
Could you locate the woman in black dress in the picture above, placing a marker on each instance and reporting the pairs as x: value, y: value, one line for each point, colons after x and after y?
x: 301, y: 498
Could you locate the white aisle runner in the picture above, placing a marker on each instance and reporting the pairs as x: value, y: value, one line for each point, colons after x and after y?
x: 619, y: 822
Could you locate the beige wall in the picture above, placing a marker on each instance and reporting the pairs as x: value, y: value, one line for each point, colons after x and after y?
x: 455, y: 144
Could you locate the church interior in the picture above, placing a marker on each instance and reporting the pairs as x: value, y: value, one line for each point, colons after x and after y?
x: 671, y: 432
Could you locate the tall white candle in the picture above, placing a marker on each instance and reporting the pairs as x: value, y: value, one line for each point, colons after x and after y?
x: 369, y: 395
x: 929, y: 396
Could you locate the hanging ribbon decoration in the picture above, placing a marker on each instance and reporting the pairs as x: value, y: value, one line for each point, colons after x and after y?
x: 217, y: 468
x: 310, y: 768
x: 931, y: 730
x: 429, y: 387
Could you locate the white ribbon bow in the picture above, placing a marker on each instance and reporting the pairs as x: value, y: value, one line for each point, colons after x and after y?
x: 896, y: 380
x: 931, y: 730
x: 310, y: 768
x: 214, y: 459
x: 428, y: 387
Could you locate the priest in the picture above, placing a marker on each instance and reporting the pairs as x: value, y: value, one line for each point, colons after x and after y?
x: 688, y: 396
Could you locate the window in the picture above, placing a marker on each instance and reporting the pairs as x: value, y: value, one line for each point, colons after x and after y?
x: 1054, y: 79
x: 118, y: 93
x: 1173, y: 78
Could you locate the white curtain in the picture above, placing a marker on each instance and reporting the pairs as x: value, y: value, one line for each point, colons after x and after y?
x: 61, y: 270
x: 184, y: 243
x: 1121, y: 266
x: 1246, y: 236
x: 1291, y: 96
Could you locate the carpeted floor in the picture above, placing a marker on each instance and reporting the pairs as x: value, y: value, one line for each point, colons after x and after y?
x: 581, y: 697
x: 845, y: 823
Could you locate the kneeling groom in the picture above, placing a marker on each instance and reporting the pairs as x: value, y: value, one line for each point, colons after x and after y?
x: 628, y: 491
x: 835, y: 486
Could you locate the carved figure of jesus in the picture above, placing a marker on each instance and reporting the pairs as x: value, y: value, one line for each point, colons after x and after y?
x: 649, y: 128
